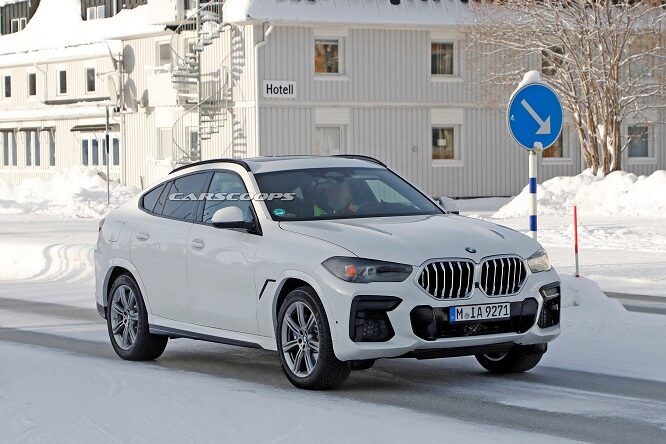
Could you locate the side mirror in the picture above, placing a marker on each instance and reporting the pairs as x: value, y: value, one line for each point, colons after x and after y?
x: 231, y: 217
x: 449, y: 205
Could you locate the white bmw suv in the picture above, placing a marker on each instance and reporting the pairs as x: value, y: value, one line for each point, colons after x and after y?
x: 334, y: 262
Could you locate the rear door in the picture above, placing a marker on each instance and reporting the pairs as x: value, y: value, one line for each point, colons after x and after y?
x: 159, y: 245
x: 220, y: 265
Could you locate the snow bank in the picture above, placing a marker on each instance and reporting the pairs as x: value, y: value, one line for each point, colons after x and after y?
x: 618, y: 194
x: 78, y: 192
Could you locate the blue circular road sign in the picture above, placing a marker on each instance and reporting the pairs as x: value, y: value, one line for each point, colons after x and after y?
x: 535, y: 116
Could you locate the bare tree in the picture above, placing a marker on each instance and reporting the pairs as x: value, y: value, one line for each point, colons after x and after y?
x: 605, y: 58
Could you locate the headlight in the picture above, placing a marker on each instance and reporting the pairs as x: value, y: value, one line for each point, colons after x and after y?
x: 353, y: 269
x: 539, y: 262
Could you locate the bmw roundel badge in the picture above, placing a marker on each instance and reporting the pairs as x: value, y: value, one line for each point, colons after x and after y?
x: 470, y: 250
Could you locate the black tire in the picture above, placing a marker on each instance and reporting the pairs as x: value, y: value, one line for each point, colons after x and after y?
x: 328, y: 372
x: 364, y: 364
x: 517, y: 360
x: 146, y: 346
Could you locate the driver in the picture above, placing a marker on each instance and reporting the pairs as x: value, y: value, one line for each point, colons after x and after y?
x: 339, y: 200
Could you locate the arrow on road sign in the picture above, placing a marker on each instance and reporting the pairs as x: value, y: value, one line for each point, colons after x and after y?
x: 544, y: 126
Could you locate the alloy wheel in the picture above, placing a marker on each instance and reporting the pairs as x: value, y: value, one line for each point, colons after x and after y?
x: 124, y: 317
x: 300, y: 339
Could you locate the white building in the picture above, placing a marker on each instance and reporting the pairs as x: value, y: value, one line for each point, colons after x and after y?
x: 266, y: 77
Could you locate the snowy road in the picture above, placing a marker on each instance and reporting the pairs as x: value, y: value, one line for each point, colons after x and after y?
x: 61, y: 382
x: 73, y: 354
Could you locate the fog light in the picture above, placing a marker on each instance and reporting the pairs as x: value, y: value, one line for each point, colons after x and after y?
x: 369, y: 320
x: 550, y: 311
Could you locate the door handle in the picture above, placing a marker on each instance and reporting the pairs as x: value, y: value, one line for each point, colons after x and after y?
x: 198, y: 244
x: 142, y: 236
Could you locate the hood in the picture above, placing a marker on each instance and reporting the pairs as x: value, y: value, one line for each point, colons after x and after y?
x: 415, y: 239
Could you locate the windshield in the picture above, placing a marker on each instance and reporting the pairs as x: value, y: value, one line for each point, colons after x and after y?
x: 341, y: 193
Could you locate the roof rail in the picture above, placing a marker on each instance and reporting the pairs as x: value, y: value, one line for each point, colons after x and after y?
x: 205, y: 162
x: 361, y: 157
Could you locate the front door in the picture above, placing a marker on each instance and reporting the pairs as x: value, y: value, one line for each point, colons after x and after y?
x: 222, y: 291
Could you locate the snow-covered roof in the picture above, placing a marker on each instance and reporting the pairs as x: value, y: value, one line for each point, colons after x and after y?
x: 407, y: 13
x: 47, y: 112
x: 57, y: 26
x: 7, y: 2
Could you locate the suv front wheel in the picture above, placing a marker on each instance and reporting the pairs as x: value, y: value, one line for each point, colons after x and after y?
x: 305, y: 345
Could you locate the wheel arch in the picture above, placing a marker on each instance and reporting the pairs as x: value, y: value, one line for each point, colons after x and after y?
x: 289, y: 282
x: 117, y: 267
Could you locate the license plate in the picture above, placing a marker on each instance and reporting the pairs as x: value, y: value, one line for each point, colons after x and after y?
x: 471, y: 313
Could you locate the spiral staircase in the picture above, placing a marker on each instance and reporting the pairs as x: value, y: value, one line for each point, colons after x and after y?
x: 204, y: 102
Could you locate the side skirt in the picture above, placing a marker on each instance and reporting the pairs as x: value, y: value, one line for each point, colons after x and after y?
x: 176, y: 333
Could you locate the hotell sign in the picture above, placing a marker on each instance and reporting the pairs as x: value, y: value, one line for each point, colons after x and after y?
x: 279, y: 89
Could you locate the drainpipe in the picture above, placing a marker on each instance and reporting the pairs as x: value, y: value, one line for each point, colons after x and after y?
x: 45, y: 77
x: 265, y: 34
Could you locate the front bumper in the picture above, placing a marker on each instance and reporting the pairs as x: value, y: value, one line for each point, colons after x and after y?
x: 406, y: 338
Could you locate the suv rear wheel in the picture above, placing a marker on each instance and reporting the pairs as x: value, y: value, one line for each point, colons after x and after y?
x: 127, y: 322
x: 304, y: 343
x: 520, y: 358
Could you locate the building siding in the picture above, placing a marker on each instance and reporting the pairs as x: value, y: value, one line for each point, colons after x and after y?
x: 388, y: 89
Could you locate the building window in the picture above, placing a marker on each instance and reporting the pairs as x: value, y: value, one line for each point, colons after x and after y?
x: 638, y: 141
x: 551, y: 60
x: 91, y: 80
x: 115, y: 143
x: 5, y: 148
x: 62, y: 82
x: 95, y: 152
x: 104, y: 152
x: 38, y: 148
x: 163, y: 54
x: 327, y: 56
x: 328, y: 140
x: 96, y: 12
x: 18, y: 24
x: 443, y: 143
x: 52, y: 147
x: 32, y: 84
x: 85, y: 154
x: 28, y: 147
x: 9, y: 148
x: 7, y: 93
x: 442, y: 59
x: 556, y: 151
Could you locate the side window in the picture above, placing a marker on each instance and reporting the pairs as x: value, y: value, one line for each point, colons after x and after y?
x: 150, y: 199
x: 226, y: 190
x: 179, y: 203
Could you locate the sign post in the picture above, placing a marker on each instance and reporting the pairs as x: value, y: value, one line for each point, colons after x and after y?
x: 535, y: 119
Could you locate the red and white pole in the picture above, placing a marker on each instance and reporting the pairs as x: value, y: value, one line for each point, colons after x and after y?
x: 575, y: 211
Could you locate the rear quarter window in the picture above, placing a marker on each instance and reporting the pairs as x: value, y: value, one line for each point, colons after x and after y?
x: 150, y: 198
